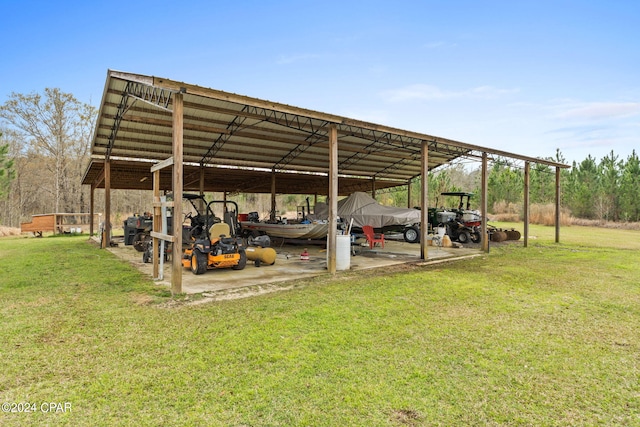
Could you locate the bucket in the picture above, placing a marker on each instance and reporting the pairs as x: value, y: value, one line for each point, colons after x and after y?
x: 441, y: 231
x: 343, y: 252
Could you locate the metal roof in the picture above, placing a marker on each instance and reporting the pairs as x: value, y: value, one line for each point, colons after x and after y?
x: 238, y: 141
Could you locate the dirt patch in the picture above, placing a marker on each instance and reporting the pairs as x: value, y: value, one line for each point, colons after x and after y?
x: 405, y: 417
x: 142, y: 299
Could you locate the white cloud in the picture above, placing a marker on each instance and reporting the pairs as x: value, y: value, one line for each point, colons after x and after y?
x: 601, y: 110
x: 430, y: 92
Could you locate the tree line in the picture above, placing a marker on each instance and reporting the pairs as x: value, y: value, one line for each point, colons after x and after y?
x: 608, y: 189
x: 45, y: 144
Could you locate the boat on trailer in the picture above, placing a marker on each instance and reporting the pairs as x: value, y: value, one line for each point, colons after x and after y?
x: 287, y: 230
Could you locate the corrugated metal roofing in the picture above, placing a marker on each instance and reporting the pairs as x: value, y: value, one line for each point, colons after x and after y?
x: 238, y: 140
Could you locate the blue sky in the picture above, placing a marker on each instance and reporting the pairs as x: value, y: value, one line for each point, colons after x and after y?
x: 522, y: 76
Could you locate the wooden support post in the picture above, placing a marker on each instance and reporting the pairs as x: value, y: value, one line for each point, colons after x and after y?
x: 527, y: 178
x: 201, y: 205
x: 424, y: 201
x: 409, y: 194
x: 373, y: 187
x: 272, y: 215
x: 484, y: 202
x: 156, y: 222
x: 91, y: 209
x: 333, y: 199
x: 178, y: 133
x: 557, y: 204
x: 106, y: 232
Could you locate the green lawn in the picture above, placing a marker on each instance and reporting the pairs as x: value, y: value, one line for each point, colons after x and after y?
x: 539, y: 336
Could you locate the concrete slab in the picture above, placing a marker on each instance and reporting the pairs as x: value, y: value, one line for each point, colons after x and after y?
x: 289, y: 266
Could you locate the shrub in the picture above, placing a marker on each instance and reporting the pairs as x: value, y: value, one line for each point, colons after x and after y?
x: 9, y: 231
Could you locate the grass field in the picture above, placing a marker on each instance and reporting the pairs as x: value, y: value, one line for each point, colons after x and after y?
x: 541, y: 336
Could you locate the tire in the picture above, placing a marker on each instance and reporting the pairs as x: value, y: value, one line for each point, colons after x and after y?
x: 476, y: 237
x: 242, y: 262
x: 464, y: 237
x: 198, y: 262
x: 411, y: 234
x: 252, y: 236
x: 140, y: 241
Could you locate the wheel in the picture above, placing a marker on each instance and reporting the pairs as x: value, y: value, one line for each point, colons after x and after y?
x: 140, y: 241
x: 252, y: 236
x: 476, y: 237
x: 411, y: 234
x: 464, y: 237
x: 242, y: 262
x: 198, y: 262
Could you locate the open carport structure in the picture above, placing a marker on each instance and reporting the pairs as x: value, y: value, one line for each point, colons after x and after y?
x: 158, y: 134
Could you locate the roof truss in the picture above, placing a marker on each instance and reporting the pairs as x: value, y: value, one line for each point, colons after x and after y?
x: 233, y: 131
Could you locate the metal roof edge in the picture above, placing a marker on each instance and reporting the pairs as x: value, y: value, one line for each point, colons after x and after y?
x: 331, y: 118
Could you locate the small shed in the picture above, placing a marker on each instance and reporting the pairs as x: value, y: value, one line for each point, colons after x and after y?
x: 59, y: 223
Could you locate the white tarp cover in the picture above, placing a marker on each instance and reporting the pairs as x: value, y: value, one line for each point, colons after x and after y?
x: 365, y: 210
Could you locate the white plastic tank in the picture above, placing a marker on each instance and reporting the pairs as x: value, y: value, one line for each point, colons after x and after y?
x: 343, y: 252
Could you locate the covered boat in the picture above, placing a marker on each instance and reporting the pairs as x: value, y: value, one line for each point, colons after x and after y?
x: 365, y: 210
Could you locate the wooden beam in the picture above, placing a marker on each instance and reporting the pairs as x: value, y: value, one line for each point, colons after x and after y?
x: 202, y: 205
x: 557, y: 204
x: 409, y: 194
x: 91, y: 209
x: 177, y: 147
x: 272, y: 215
x: 484, y: 178
x: 168, y: 204
x: 163, y: 164
x: 106, y: 233
x: 424, y: 201
x: 527, y: 179
x: 201, y: 182
x: 165, y: 237
x: 333, y: 199
x: 157, y: 223
x: 99, y: 178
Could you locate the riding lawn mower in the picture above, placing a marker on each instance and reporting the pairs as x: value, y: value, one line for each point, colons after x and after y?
x: 211, y: 242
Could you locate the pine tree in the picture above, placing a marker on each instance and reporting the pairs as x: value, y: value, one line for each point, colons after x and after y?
x: 7, y: 172
x: 630, y: 188
x: 610, y: 179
